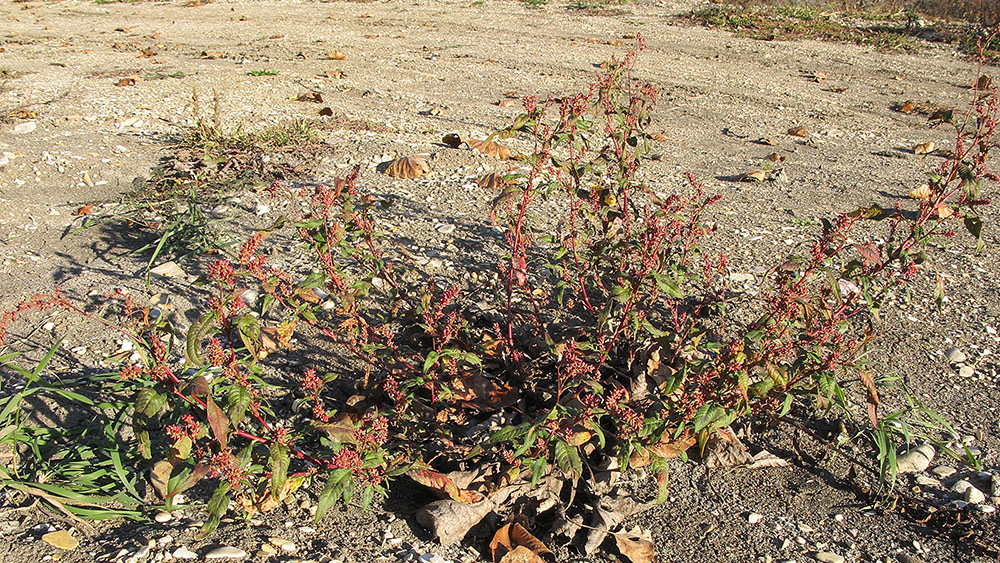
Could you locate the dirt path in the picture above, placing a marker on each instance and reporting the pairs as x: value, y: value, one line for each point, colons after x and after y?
x: 92, y: 137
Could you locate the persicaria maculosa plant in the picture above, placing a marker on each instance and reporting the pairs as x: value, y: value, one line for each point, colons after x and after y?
x: 614, y: 347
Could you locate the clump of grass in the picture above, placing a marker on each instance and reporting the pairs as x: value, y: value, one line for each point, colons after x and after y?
x: 263, y: 72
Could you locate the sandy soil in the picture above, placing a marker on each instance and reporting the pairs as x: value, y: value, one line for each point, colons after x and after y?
x: 92, y: 138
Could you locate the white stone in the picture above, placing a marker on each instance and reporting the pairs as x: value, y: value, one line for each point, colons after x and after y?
x: 974, y: 495
x: 26, y: 127
x: 829, y: 557
x: 927, y: 481
x: 226, y: 552
x: 184, y: 553
x: 753, y: 517
x: 955, y: 355
x: 262, y: 209
x: 160, y: 517
x: 960, y: 486
x: 916, y: 460
x: 943, y: 471
x: 966, y: 371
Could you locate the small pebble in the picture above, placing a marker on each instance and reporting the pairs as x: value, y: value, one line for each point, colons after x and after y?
x: 829, y: 557
x: 162, y: 517
x: 184, y: 553
x: 753, y: 517
x: 226, y: 552
x: 943, y: 471
x: 955, y: 355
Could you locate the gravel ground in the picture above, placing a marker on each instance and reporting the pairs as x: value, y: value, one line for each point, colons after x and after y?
x: 91, y: 138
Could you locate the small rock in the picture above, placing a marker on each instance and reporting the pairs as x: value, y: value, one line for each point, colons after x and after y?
x: 955, y: 356
x: 966, y: 371
x: 753, y: 517
x: 168, y: 270
x: 974, y: 495
x: 184, y: 553
x: 446, y: 228
x: 61, y: 539
x: 829, y: 557
x: 262, y: 209
x: 907, y: 558
x: 927, y: 481
x: 960, y: 486
x: 26, y: 127
x: 805, y: 528
x: 916, y: 460
x: 226, y: 552
x: 268, y: 549
x: 140, y: 553
x: 943, y: 471
x: 987, y: 509
x: 162, y: 517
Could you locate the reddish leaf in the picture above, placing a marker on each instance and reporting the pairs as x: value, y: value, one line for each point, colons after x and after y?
x: 218, y: 422
x: 869, y: 382
x: 512, y: 543
x: 85, y: 210
x: 443, y: 485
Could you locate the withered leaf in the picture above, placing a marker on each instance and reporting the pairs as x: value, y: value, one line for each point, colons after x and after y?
x: 906, y: 108
x: 453, y: 140
x: 336, y: 55
x: 984, y: 82
x: 489, y: 148
x: 441, y: 484
x: 341, y: 432
x: 943, y: 211
x: 159, y: 476
x: 636, y: 545
x: 754, y: 176
x: 128, y: 81
x: 775, y: 157
x: 314, y: 97
x: 493, y: 181
x: 408, y: 167
x: 512, y: 537
x: 921, y: 192
x: 798, y: 132
x: 326, y: 112
x: 84, y: 210
x: 212, y: 55
x: 338, y: 74
x: 146, y: 53
x: 667, y: 449
x: 506, y: 103
x: 264, y: 501
x: 924, y: 148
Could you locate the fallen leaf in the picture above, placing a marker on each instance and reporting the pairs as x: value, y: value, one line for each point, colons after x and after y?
x: 492, y: 182
x: 489, y: 148
x: 505, y: 103
x: 314, y: 97
x: 129, y: 81
x: 449, y: 520
x: 924, y: 148
x: 273, y: 338
x: 212, y: 55
x: 636, y: 545
x: 475, y: 390
x: 984, y: 82
x: 159, y: 476
x: 24, y: 113
x: 754, y: 176
x: 336, y: 56
x: 943, y: 211
x: 798, y: 132
x: 921, y: 192
x: 723, y: 449
x: 837, y: 90
x: 658, y: 137
x: 408, y: 167
x: 326, y: 112
x: 264, y: 501
x: 768, y: 141
x: 511, y: 537
x: 453, y: 140
x: 775, y: 157
x: 616, y: 42
x: 61, y: 539
x: 669, y: 449
x: 338, y: 74
x: 906, y: 108
x: 84, y: 210
x: 765, y: 458
x: 441, y: 484
x: 147, y: 53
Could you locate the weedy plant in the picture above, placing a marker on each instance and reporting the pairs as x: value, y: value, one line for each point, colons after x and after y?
x: 615, y: 346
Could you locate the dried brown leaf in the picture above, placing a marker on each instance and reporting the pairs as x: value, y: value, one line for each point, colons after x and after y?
x: 408, y: 167
x: 493, y: 181
x: 921, y: 192
x: 924, y: 148
x: 798, y: 132
x: 336, y: 55
x: 754, y: 176
x: 636, y: 545
x: 84, y: 210
x: 512, y: 537
x: 453, y: 140
x: 775, y: 157
x: 489, y: 148
x: 127, y: 81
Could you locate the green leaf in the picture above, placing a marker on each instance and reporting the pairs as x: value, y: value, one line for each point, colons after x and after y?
x: 786, y: 405
x: 278, y: 463
x: 217, y: 507
x: 249, y: 330
x: 332, y: 491
x: 239, y: 401
x: 568, y: 459
x: 668, y: 285
x: 192, y: 343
